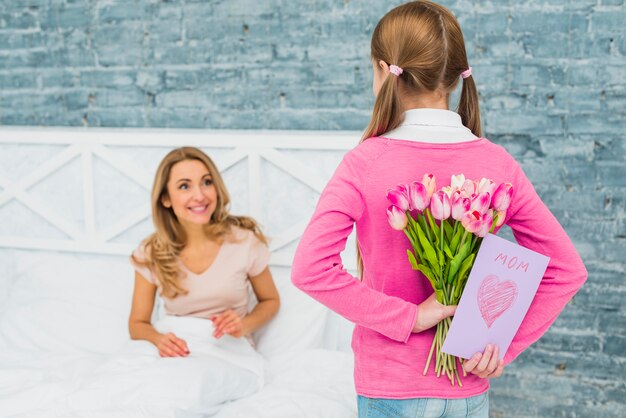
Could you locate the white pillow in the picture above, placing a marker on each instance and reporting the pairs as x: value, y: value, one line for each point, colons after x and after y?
x: 68, y: 303
x: 300, y: 323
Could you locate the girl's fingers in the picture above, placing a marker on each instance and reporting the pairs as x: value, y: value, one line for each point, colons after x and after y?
x: 484, y: 361
x: 493, y: 362
x: 471, y: 363
x: 499, y: 370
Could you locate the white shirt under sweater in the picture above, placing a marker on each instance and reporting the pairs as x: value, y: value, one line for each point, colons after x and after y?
x: 431, y: 125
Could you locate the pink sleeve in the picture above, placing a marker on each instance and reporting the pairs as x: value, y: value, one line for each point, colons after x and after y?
x: 535, y: 227
x: 318, y: 270
x: 138, y: 256
x: 258, y: 256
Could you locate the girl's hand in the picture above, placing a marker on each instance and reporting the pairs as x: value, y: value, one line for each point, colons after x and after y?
x: 169, y: 345
x: 485, y: 364
x: 430, y: 313
x: 228, y: 322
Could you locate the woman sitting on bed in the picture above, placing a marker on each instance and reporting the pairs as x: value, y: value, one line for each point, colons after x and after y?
x: 200, y: 259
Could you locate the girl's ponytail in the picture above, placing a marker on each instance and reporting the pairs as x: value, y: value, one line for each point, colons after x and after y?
x: 387, y: 111
x: 469, y: 108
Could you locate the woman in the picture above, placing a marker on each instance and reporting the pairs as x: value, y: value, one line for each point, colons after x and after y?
x: 200, y: 258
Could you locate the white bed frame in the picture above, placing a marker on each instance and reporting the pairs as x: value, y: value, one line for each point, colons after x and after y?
x: 256, y: 147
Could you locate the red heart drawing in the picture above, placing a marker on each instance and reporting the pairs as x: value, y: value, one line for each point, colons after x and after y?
x: 495, y: 297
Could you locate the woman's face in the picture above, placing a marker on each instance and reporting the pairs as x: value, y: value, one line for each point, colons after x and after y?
x: 191, y: 193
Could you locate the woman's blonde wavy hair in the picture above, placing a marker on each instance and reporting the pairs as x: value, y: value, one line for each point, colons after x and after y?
x: 163, y: 247
x: 426, y: 41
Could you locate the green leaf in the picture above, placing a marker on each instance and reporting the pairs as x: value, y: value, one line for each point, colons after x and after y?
x: 433, y: 226
x: 429, y: 251
x: 446, y: 250
x: 428, y: 273
x: 456, y: 239
x: 465, y: 266
x: 455, y: 264
x: 412, y: 259
x: 421, y: 222
x: 448, y: 231
x: 410, y: 236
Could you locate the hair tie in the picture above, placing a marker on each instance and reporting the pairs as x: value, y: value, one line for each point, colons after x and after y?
x: 467, y: 73
x: 395, y: 70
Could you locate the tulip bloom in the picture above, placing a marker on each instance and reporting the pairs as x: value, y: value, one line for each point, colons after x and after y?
x: 477, y: 223
x: 418, y: 196
x: 459, y: 205
x: 440, y: 206
x: 501, y: 214
x: 448, y: 190
x: 399, y: 197
x: 468, y: 188
x: 457, y: 181
x: 480, y: 202
x: 430, y: 183
x: 397, y: 218
x: 502, y: 197
x: 486, y: 186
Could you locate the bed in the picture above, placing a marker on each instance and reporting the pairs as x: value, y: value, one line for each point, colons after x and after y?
x: 75, y: 202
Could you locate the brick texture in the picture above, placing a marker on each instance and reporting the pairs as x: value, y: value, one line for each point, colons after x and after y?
x: 553, y: 91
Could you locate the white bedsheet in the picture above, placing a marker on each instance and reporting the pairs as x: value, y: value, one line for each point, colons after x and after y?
x: 64, y: 352
x: 216, y: 371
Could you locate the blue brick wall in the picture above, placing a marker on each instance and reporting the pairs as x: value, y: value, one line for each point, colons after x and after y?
x: 553, y: 91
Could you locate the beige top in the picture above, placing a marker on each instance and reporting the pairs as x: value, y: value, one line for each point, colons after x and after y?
x: 223, y: 285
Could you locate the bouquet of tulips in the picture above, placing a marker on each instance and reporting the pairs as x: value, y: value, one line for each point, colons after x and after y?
x: 445, y: 228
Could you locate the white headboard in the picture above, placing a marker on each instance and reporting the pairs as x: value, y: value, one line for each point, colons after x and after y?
x: 87, y: 190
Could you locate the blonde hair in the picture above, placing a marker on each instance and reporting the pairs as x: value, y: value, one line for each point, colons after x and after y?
x: 163, y: 247
x: 425, y: 40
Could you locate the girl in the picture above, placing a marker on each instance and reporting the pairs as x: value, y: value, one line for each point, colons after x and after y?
x: 200, y: 258
x: 418, y: 58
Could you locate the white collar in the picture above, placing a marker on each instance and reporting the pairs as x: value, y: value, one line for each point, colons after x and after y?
x: 432, y: 117
x: 431, y: 125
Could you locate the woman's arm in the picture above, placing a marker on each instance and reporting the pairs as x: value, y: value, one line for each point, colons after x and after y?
x: 269, y: 302
x: 140, y: 327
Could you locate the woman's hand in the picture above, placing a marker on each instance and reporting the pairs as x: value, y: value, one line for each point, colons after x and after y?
x: 228, y: 322
x: 430, y: 313
x: 485, y: 364
x: 169, y: 345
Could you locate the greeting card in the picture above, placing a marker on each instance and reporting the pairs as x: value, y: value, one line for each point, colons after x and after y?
x: 499, y: 290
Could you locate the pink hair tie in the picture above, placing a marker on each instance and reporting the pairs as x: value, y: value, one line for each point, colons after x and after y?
x: 395, y: 70
x: 467, y: 73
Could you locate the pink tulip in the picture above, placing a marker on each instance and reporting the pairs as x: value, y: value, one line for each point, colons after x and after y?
x: 486, y: 186
x: 480, y: 202
x: 418, y: 196
x: 502, y: 197
x: 477, y: 223
x: 448, y: 190
x: 457, y: 181
x: 501, y: 215
x: 468, y: 188
x: 397, y: 218
x: 399, y: 197
x: 459, y: 205
x: 430, y: 183
x: 440, y: 205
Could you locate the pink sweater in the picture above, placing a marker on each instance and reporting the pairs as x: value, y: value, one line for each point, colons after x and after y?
x: 389, y: 358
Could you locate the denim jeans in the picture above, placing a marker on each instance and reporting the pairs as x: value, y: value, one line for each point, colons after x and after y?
x: 473, y: 407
